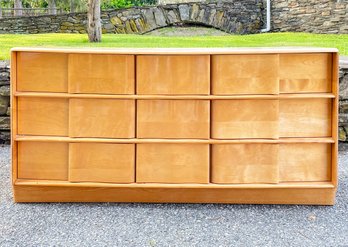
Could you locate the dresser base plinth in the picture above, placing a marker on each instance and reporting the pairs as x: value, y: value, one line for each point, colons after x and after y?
x: 305, y: 196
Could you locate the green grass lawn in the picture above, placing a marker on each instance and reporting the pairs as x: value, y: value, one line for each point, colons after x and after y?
x: 7, y: 41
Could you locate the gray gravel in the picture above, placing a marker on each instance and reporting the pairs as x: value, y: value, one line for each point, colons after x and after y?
x: 112, y: 224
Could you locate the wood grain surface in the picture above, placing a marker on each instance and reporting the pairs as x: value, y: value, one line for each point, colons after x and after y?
x: 172, y: 163
x: 245, y: 119
x: 43, y: 116
x: 305, y: 73
x: 101, y: 162
x: 173, y: 119
x: 43, y: 160
x: 42, y: 72
x: 173, y: 74
x: 109, y: 118
x: 245, y: 163
x: 101, y: 74
x: 245, y: 74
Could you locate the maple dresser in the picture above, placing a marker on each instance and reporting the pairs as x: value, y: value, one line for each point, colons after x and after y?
x: 175, y: 125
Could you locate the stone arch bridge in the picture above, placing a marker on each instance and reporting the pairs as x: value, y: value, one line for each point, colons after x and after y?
x: 234, y: 16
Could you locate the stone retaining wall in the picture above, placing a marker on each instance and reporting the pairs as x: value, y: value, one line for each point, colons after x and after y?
x: 315, y: 16
x: 343, y: 109
x: 235, y: 16
x: 5, y: 103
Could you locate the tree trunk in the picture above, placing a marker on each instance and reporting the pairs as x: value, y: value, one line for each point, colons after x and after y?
x: 72, y: 6
x: 18, y: 6
x: 94, y: 22
x: 52, y: 8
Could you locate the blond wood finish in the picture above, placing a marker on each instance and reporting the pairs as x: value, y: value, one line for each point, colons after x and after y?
x: 181, y: 51
x: 245, y: 163
x: 301, y: 73
x: 43, y: 116
x: 172, y: 163
x: 191, y: 141
x: 13, y: 103
x: 43, y: 72
x: 43, y: 160
x: 205, y: 97
x: 173, y: 119
x: 282, y: 185
x: 304, y: 162
x: 100, y: 162
x: 305, y: 118
x: 334, y: 119
x: 181, y: 170
x: 173, y: 74
x: 245, y: 74
x: 44, y: 193
x: 109, y: 118
x: 92, y: 73
x: 244, y: 119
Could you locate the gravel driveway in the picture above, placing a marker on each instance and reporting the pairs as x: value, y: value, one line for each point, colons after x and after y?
x: 112, y: 224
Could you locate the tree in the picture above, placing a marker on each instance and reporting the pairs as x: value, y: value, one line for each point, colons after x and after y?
x: 72, y: 6
x: 18, y: 6
x: 52, y: 8
x: 94, y: 22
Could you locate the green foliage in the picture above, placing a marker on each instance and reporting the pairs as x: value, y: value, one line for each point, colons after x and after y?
x: 66, y: 5
x: 117, y: 4
x: 78, y: 5
x: 6, y: 3
x: 34, y: 4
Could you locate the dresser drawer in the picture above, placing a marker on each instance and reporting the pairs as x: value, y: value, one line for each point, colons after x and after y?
x: 173, y: 74
x: 245, y: 163
x: 101, y: 162
x: 108, y: 118
x: 245, y: 74
x: 172, y: 163
x: 173, y: 119
x: 108, y: 74
x: 244, y: 119
x: 42, y: 72
x: 43, y: 160
x: 271, y: 163
x: 305, y: 73
x: 43, y: 116
x: 305, y: 117
x: 305, y: 162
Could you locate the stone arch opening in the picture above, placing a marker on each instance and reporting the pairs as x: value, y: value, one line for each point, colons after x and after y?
x: 187, y: 29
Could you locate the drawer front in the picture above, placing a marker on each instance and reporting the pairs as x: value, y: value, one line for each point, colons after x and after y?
x: 177, y: 74
x: 244, y: 119
x: 305, y: 117
x: 244, y: 163
x: 271, y: 163
x: 100, y: 162
x: 109, y: 74
x: 245, y: 74
x: 43, y: 160
x: 42, y: 72
x: 43, y: 116
x: 173, y: 119
x: 304, y: 162
x: 172, y: 163
x: 108, y: 118
x: 305, y: 73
